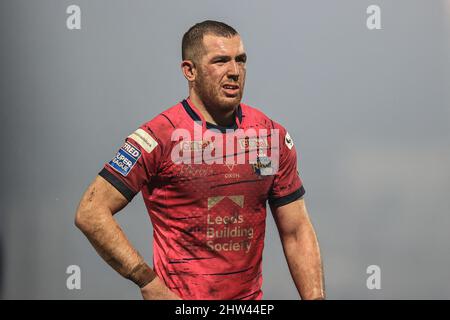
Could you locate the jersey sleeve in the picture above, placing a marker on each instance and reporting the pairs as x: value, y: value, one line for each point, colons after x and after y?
x: 287, y: 186
x: 135, y: 162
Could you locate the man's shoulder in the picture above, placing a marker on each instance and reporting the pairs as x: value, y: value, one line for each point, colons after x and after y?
x: 163, y: 124
x: 169, y: 118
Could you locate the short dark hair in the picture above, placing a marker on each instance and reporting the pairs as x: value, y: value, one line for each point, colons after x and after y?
x: 192, y: 43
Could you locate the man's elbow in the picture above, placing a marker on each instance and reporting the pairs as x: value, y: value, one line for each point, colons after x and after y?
x: 82, y: 219
x: 290, y: 235
x: 297, y: 232
x: 87, y: 217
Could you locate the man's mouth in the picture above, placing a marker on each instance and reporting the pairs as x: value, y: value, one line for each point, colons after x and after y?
x: 231, y: 89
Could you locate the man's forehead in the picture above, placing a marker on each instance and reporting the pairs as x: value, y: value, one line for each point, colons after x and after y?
x: 217, y: 45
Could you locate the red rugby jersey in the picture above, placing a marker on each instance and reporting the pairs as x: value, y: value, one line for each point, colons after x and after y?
x: 208, y: 217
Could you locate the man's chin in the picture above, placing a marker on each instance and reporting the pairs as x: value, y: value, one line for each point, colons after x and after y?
x: 230, y: 102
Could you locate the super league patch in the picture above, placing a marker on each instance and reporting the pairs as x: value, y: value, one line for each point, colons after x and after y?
x: 125, y: 159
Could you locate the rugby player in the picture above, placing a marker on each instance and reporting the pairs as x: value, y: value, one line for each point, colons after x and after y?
x: 206, y: 168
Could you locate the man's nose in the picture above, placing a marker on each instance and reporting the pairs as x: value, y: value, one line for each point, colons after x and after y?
x: 233, y: 70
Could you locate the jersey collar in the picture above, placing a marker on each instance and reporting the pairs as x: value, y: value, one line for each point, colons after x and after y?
x: 197, y: 116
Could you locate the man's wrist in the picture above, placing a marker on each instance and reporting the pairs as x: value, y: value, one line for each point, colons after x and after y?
x: 317, y: 297
x: 157, y: 290
x: 142, y: 275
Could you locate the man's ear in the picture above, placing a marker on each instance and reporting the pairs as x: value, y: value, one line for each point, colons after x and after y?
x: 189, y: 70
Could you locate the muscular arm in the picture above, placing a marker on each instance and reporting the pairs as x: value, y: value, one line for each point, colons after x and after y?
x: 94, y: 217
x: 301, y: 249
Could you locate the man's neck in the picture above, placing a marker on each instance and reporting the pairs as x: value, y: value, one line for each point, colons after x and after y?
x: 211, y: 114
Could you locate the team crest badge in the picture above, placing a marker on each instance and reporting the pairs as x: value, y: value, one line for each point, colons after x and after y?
x: 263, y: 166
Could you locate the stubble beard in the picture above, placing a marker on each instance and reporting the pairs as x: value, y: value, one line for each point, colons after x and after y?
x: 212, y: 97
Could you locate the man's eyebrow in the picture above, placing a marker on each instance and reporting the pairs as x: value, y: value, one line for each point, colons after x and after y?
x: 221, y: 57
x: 227, y: 58
x: 242, y: 56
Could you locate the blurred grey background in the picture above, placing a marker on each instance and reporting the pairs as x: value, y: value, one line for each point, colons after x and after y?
x: 369, y: 112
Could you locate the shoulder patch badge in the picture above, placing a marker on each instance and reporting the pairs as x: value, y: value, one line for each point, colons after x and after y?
x: 145, y: 140
x: 288, y: 141
x: 125, y: 159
